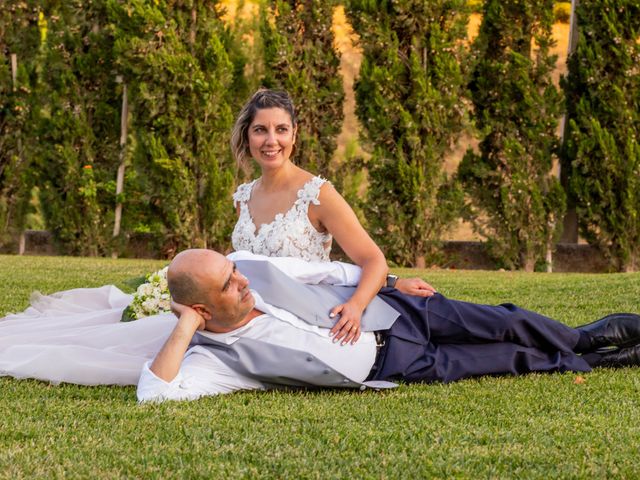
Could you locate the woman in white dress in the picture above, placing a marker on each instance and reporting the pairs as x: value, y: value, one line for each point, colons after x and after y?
x: 288, y: 212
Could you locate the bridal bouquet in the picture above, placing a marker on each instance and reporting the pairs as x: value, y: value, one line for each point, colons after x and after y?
x: 151, y: 298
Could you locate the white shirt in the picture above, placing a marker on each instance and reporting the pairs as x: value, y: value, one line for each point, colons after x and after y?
x: 202, y: 373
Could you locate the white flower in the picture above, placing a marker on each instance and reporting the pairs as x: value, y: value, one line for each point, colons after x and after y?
x: 150, y: 304
x: 143, y: 290
x: 153, y: 296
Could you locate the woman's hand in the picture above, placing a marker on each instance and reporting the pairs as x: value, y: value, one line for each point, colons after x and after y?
x: 347, y: 328
x: 415, y: 286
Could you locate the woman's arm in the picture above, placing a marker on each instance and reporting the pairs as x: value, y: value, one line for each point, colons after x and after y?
x: 335, y: 214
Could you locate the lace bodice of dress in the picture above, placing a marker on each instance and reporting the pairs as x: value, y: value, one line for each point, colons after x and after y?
x: 290, y: 234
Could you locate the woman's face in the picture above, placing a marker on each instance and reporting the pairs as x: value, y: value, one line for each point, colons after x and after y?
x: 271, y: 137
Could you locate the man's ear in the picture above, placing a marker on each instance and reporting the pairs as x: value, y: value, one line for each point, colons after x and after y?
x: 202, y: 310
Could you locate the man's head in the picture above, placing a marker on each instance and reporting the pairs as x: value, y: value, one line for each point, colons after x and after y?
x: 210, y: 284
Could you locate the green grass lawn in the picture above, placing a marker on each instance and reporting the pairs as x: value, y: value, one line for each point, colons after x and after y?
x: 538, y: 426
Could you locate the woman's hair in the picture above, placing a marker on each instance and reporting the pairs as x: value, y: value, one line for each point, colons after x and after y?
x: 263, y: 98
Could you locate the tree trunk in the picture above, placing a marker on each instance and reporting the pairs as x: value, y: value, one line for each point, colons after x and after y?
x: 631, y: 264
x: 14, y: 78
x: 120, y: 176
x: 528, y: 261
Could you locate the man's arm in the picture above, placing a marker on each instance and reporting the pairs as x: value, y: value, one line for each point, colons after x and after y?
x: 174, y: 376
x: 167, y: 363
x: 201, y: 374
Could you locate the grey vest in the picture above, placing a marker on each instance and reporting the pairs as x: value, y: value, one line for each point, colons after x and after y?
x: 275, y: 365
x: 311, y: 303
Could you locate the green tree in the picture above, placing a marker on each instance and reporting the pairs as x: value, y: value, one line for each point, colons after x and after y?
x: 300, y: 58
x: 78, y: 126
x: 182, y: 83
x: 602, y: 149
x: 410, y: 102
x: 516, y: 201
x: 19, y: 38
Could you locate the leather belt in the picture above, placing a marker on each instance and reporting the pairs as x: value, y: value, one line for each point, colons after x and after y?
x: 381, y: 341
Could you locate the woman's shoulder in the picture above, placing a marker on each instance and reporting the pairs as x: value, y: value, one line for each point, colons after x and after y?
x: 243, y: 192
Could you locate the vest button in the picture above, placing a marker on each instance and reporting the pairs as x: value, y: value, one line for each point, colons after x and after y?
x: 326, y: 371
x: 363, y: 387
x: 309, y: 359
x: 346, y: 380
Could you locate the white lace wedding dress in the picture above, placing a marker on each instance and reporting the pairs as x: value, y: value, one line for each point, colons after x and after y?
x: 76, y: 336
x: 290, y: 234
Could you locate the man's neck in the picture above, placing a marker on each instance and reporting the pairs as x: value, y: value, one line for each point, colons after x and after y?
x: 248, y: 317
x: 251, y: 315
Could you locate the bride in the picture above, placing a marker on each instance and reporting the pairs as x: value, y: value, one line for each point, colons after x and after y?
x: 288, y: 212
x: 76, y: 336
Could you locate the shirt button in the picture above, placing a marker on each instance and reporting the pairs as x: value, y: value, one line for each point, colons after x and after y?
x: 346, y: 380
x: 363, y: 387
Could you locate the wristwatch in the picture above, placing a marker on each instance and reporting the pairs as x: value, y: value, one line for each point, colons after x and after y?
x: 391, y: 280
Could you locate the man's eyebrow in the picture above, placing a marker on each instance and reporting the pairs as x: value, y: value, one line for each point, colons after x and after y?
x: 228, y: 282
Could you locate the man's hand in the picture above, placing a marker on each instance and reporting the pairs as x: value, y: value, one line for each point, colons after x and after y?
x: 415, y: 286
x: 347, y: 328
x: 167, y: 363
x: 191, y: 315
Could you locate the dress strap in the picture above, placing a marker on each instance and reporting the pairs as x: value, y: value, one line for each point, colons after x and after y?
x: 243, y: 193
x: 310, y: 191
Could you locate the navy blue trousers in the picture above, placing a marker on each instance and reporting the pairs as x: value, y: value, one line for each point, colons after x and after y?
x: 438, y: 339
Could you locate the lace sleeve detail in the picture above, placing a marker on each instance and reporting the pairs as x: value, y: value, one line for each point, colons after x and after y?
x: 243, y: 193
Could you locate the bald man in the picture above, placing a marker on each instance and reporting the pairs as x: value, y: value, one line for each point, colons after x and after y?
x: 229, y: 337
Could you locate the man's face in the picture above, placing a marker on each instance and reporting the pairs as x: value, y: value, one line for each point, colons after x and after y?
x: 229, y: 299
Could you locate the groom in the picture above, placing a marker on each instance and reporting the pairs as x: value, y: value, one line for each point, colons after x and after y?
x: 277, y: 334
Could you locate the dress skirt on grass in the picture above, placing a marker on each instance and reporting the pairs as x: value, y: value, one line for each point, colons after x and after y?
x: 76, y: 336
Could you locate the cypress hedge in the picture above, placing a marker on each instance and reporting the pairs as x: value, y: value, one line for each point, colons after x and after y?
x: 300, y: 57
x: 602, y: 150
x: 410, y: 102
x: 174, y: 57
x: 78, y: 126
x: 516, y: 202
x: 19, y: 48
x: 185, y: 73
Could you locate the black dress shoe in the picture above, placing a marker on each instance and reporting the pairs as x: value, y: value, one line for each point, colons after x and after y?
x: 623, y: 357
x: 618, y: 330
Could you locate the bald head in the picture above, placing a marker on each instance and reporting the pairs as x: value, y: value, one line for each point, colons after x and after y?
x: 190, y: 272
